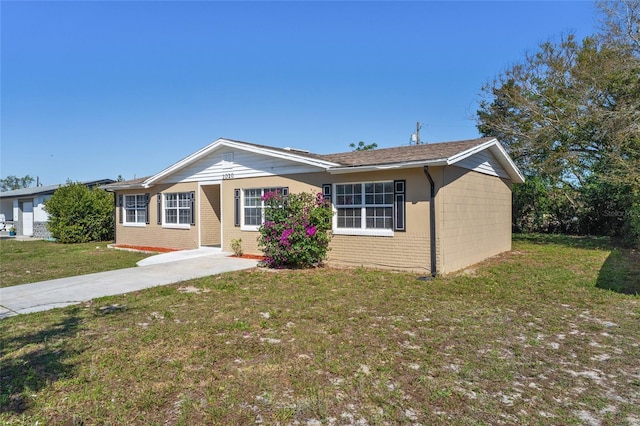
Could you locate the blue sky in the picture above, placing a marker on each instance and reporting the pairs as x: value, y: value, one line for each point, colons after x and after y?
x: 93, y: 90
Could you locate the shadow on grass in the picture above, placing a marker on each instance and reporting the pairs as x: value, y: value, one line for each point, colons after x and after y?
x: 41, y: 361
x: 621, y: 272
x: 587, y: 242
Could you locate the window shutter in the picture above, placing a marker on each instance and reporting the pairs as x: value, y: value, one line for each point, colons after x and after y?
x: 146, y: 207
x: 285, y: 191
x: 120, y: 202
x: 236, y: 207
x: 399, y: 217
x: 192, y: 195
x: 159, y: 195
x: 326, y: 191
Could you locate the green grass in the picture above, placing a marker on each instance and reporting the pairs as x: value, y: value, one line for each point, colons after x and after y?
x: 23, y: 262
x: 535, y: 336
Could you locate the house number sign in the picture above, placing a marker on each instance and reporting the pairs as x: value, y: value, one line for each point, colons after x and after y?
x: 227, y: 176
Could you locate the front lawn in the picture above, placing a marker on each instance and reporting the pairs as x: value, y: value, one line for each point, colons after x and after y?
x: 23, y: 262
x: 535, y: 336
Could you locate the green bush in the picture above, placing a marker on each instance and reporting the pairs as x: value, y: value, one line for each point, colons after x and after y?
x: 78, y: 214
x: 236, y: 246
x: 631, y: 228
x: 612, y: 209
x: 540, y: 205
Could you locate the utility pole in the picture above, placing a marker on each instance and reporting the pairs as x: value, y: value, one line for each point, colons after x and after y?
x: 415, y: 137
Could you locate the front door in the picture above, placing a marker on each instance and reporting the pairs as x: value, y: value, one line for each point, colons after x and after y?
x: 27, y: 218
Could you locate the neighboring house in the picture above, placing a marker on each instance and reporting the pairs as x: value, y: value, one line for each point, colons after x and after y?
x: 24, y: 208
x: 432, y: 208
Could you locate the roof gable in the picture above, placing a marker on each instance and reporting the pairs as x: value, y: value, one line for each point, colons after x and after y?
x: 198, y: 159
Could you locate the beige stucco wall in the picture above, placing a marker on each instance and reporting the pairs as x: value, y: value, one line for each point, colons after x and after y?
x: 405, y: 250
x: 473, y: 217
x: 152, y: 234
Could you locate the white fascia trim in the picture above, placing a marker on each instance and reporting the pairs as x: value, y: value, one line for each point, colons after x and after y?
x: 392, y: 166
x: 471, y: 151
x: 506, y: 161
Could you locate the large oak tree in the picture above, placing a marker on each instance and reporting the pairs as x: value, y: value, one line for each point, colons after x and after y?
x: 569, y: 114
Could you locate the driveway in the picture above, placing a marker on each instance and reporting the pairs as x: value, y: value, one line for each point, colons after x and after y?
x: 153, y: 271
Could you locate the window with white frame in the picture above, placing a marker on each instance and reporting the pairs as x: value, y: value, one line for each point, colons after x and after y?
x: 253, y: 206
x: 135, y: 207
x: 365, y: 206
x: 178, y: 208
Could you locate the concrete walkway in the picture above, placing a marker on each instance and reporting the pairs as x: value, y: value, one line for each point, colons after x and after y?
x: 161, y: 269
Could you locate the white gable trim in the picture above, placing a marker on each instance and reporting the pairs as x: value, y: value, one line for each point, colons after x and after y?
x: 321, y: 164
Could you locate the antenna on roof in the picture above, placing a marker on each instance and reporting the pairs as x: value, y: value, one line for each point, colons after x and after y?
x: 415, y: 137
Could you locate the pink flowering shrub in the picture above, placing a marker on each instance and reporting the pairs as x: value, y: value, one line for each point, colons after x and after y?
x: 296, y: 230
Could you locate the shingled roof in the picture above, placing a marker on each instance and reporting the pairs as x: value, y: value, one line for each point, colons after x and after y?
x: 401, y: 154
x: 48, y: 189
x: 123, y: 184
x: 443, y: 153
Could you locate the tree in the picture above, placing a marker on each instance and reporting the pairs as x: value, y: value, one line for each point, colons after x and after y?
x: 362, y: 146
x: 566, y: 108
x: 621, y: 23
x: 569, y: 112
x: 78, y: 214
x: 13, y: 182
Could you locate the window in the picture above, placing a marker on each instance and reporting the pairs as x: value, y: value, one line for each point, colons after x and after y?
x: 369, y: 208
x: 178, y: 208
x: 365, y: 205
x: 135, y: 207
x: 253, y: 206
